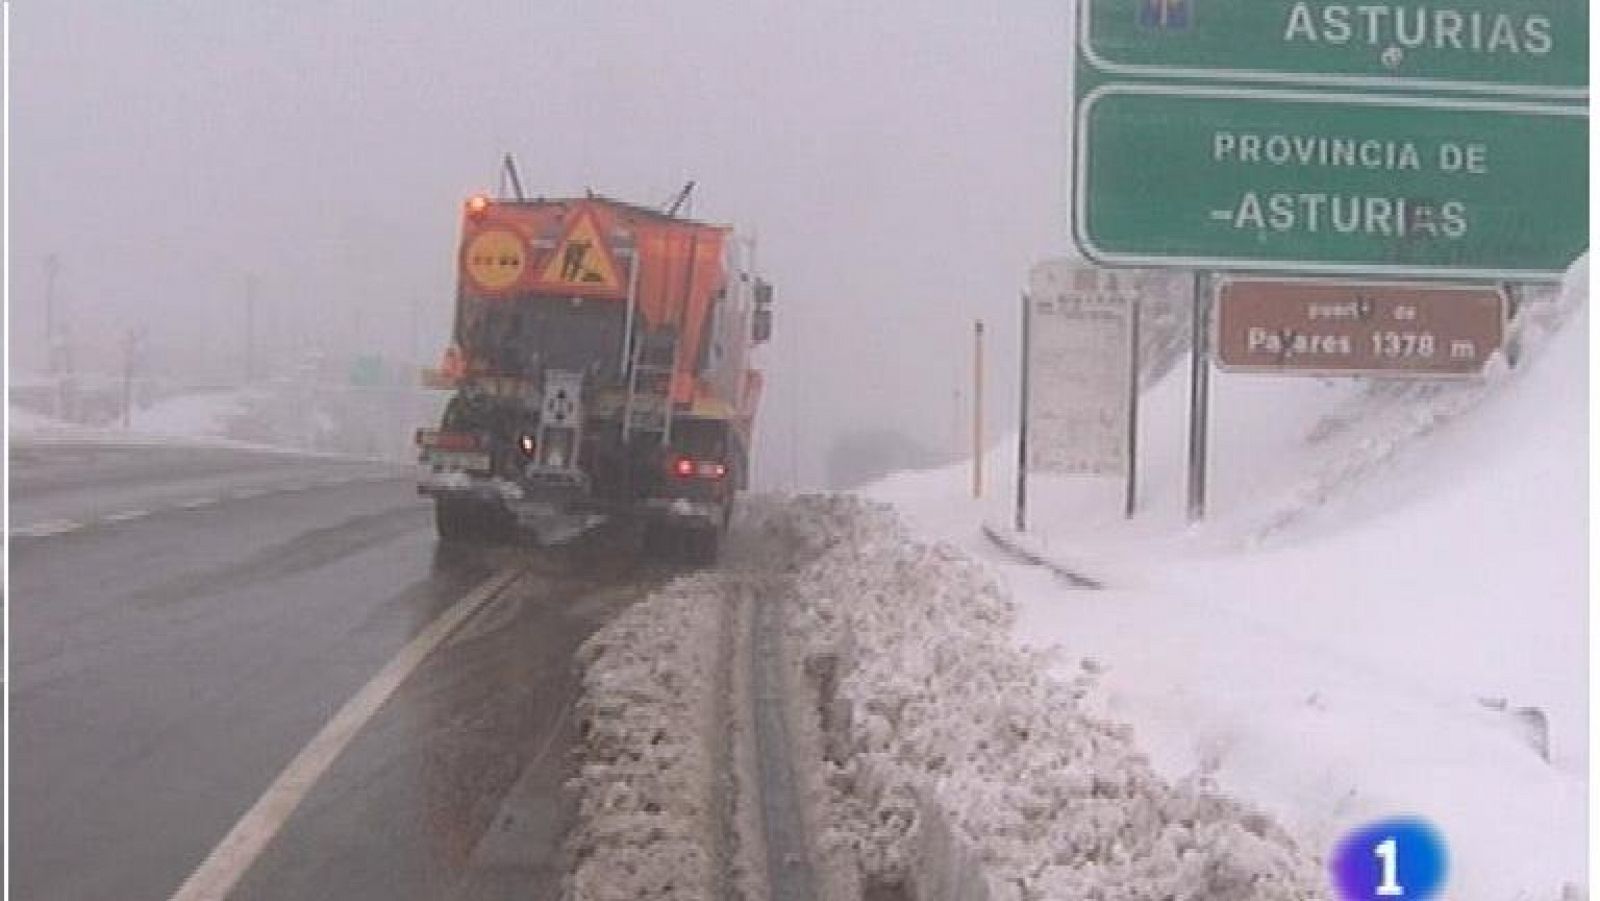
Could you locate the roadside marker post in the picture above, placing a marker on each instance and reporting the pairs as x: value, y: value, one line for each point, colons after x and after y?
x: 1022, y: 425
x: 977, y: 409
x: 1199, y: 395
x: 1131, y: 496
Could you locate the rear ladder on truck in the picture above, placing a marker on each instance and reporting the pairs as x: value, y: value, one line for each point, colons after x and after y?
x: 647, y: 408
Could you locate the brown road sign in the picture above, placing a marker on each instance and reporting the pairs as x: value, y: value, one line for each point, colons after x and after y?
x: 1312, y: 327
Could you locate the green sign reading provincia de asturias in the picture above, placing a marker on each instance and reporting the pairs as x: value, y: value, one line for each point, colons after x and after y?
x: 1519, y: 48
x: 1296, y: 181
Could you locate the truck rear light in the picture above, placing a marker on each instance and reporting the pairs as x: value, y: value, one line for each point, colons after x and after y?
x: 477, y: 205
x: 684, y: 467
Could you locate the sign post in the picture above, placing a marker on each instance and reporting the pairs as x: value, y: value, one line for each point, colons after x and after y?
x: 1199, y: 396
x: 1022, y: 426
x: 1080, y: 374
x: 1131, y: 495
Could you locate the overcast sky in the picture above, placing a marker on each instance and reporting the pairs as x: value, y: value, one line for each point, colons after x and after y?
x: 900, y: 163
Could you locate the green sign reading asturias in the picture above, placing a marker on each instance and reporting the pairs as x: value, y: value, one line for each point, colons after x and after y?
x: 1289, y: 181
x: 1505, y: 47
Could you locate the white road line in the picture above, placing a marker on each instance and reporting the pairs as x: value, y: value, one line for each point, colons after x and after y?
x: 47, y: 528
x: 125, y: 516
x: 195, y: 503
x: 247, y: 493
x: 229, y: 860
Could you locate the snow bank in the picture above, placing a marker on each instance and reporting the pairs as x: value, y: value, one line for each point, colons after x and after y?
x: 24, y: 423
x: 205, y: 415
x: 1384, y: 613
x: 941, y: 734
x: 646, y: 824
x: 665, y: 756
x: 285, y: 416
x: 935, y: 759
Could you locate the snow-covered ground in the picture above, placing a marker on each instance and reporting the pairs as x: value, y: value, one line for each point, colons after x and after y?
x: 1385, y: 611
x: 194, y: 418
x: 1384, y: 614
x: 370, y: 423
x: 202, y: 418
x: 208, y: 415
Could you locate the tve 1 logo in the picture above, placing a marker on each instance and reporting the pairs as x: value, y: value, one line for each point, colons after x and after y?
x: 1402, y: 857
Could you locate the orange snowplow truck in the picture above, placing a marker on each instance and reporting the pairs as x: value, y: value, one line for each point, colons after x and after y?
x: 601, y: 364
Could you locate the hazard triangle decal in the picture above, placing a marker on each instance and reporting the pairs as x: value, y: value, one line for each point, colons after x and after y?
x: 582, y: 260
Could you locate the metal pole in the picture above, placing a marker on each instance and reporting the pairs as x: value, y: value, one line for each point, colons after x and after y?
x: 52, y: 265
x: 1511, y: 322
x: 416, y: 347
x: 127, y: 378
x: 509, y: 170
x: 52, y: 357
x: 249, y: 329
x: 1199, y: 389
x: 977, y: 408
x: 1133, y: 409
x: 1022, y: 427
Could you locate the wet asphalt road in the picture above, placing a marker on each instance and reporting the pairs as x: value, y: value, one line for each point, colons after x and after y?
x: 167, y: 666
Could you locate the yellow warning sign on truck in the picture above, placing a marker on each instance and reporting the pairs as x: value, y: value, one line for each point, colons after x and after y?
x: 582, y: 261
x: 495, y: 259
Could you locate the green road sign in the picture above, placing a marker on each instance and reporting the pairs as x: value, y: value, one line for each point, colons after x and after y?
x: 1519, y: 48
x: 1294, y: 181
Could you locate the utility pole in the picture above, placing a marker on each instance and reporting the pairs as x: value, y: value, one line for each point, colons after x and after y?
x: 52, y: 265
x: 416, y: 347
x: 132, y: 347
x: 58, y: 366
x: 249, y: 328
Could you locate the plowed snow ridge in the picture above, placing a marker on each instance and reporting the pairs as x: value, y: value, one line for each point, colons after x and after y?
x: 941, y: 758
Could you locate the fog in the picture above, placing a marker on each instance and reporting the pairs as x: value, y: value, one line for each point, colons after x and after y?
x: 276, y: 177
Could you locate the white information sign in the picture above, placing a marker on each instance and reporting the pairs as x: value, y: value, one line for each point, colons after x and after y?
x: 1080, y: 334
